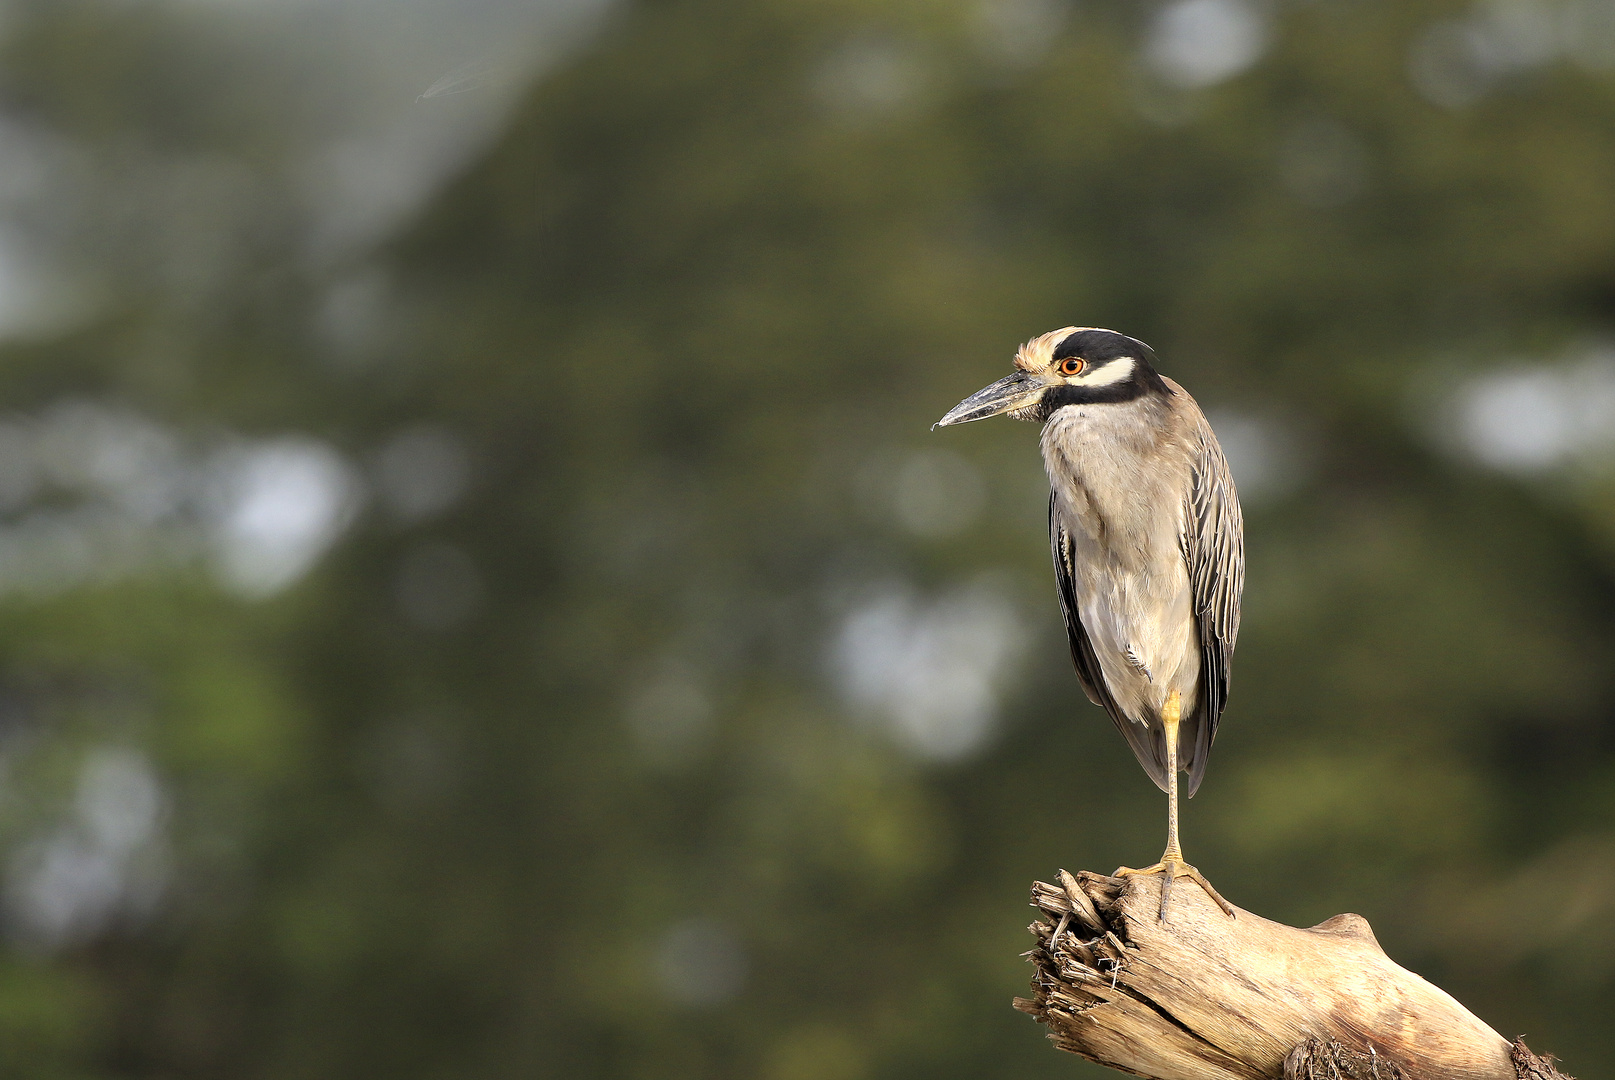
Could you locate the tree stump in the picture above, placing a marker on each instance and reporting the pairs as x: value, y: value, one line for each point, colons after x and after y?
x: 1203, y: 996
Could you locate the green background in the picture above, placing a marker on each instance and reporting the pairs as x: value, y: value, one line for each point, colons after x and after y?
x: 711, y: 715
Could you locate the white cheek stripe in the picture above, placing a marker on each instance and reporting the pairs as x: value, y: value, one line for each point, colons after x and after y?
x: 1118, y: 370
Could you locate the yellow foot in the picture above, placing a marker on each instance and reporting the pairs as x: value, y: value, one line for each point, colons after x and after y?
x: 1174, y: 867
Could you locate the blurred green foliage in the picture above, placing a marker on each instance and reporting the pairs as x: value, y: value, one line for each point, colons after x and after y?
x: 569, y: 773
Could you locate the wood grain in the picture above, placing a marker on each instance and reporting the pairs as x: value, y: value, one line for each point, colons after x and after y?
x: 1202, y: 996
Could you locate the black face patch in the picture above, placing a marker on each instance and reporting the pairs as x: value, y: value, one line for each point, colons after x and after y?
x: 1077, y: 394
x: 1097, y: 346
x: 1100, y: 348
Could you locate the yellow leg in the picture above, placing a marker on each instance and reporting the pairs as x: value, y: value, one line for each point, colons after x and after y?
x: 1172, y: 864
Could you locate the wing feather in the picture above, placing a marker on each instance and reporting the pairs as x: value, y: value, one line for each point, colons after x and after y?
x: 1213, y: 543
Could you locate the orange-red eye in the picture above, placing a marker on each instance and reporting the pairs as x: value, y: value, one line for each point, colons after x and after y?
x: 1071, y: 365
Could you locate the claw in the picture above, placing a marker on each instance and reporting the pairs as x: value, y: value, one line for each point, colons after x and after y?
x: 1172, y: 867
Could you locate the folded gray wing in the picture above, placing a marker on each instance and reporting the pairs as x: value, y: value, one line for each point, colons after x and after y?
x: 1213, y: 543
x: 1148, y: 743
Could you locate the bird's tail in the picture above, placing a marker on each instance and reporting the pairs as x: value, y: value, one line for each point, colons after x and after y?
x: 1149, y: 746
x: 1148, y: 741
x: 1194, y: 748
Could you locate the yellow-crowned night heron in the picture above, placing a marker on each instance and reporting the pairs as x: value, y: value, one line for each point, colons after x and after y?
x: 1148, y: 547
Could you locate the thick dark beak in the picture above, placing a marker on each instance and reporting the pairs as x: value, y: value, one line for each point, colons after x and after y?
x: 1010, y: 392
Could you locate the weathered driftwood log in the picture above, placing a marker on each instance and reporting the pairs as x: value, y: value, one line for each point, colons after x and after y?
x: 1205, y: 997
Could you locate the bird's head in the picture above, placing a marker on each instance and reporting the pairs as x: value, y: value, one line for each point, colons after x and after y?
x: 1071, y: 366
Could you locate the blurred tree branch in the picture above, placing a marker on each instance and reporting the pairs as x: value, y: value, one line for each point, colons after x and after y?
x: 1205, y: 997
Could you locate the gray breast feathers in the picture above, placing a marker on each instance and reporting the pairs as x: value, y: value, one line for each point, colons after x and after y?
x: 1211, y: 546
x: 1147, y: 742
